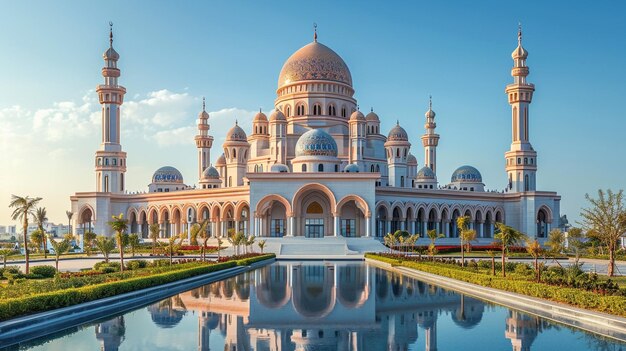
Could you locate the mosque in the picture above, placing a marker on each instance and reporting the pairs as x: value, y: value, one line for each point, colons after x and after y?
x: 318, y: 167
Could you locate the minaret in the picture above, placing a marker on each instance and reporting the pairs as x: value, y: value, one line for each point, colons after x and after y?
x: 110, y: 159
x: 397, y: 147
x: 521, y: 159
x: 203, y: 141
x: 430, y: 140
x: 357, y: 138
x: 236, y: 148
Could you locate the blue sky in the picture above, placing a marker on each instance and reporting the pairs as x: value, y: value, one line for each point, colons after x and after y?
x: 173, y: 53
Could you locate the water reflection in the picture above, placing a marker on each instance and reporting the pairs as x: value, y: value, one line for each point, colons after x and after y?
x: 298, y: 306
x: 331, y: 306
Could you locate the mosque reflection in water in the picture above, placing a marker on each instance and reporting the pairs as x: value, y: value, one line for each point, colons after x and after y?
x: 300, y: 306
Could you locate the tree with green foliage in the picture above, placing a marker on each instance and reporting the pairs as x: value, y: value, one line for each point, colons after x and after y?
x: 236, y: 239
x: 24, y: 207
x: 105, y: 245
x: 37, y: 238
x: 41, y: 217
x: 492, y: 254
x: 133, y: 243
x: 249, y: 242
x: 261, y: 245
x: 433, y: 236
x: 533, y: 247
x: 5, y: 252
x: 172, y: 246
x: 88, y: 241
x: 220, y: 242
x: 60, y: 247
x: 155, y: 230
x: 390, y: 240
x: 606, y: 220
x: 576, y: 243
x: 119, y: 225
x: 465, y: 234
x: 198, y: 230
x: 507, y: 236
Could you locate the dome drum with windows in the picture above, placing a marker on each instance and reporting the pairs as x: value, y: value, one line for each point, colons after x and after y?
x: 316, y: 142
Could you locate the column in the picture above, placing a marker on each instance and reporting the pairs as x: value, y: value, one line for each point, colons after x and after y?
x: 446, y: 229
x: 388, y: 226
x: 291, y: 224
x: 189, y: 232
x: 337, y: 229
x: 403, y: 224
x: 438, y: 227
x: 368, y: 225
x: 480, y: 230
x: 424, y: 228
x: 252, y: 228
x: 162, y: 230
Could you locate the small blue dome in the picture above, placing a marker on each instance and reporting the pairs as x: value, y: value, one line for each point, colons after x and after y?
x: 425, y: 173
x: 351, y: 168
x: 467, y: 174
x: 279, y: 168
x: 316, y: 142
x: 210, y: 172
x: 167, y: 174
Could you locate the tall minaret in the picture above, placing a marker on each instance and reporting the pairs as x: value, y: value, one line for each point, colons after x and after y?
x: 430, y: 140
x: 357, y: 138
x: 203, y: 141
x: 110, y: 159
x: 521, y: 159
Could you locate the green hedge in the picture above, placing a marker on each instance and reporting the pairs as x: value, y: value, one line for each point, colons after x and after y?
x: 14, y: 307
x: 251, y: 260
x: 580, y: 298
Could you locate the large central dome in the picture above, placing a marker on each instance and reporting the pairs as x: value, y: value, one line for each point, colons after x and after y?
x: 314, y: 61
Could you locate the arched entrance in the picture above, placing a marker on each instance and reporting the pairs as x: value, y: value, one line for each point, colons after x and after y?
x: 273, y: 212
x: 353, y: 214
x: 543, y: 223
x: 381, y: 221
x: 314, y: 204
x: 86, y: 218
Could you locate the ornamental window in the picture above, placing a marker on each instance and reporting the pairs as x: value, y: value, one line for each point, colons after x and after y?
x: 331, y: 110
x: 317, y: 110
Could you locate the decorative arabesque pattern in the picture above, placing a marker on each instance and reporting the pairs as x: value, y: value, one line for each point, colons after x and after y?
x: 315, y: 61
x: 316, y: 142
x: 466, y: 174
x: 167, y: 174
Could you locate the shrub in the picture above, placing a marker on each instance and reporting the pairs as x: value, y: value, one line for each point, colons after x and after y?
x: 44, y: 271
x: 484, y: 264
x: 137, y: 264
x: 34, y: 276
x: 107, y: 270
x: 524, y: 270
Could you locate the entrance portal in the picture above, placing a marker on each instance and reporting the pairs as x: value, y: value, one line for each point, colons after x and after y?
x: 314, y: 228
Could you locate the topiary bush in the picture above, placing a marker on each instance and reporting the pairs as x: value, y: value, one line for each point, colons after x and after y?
x: 44, y: 271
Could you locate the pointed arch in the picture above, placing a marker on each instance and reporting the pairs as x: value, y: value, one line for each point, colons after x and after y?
x: 241, y: 205
x: 361, y: 204
x: 385, y: 205
x: 297, y: 197
x: 83, y: 211
x: 266, y: 202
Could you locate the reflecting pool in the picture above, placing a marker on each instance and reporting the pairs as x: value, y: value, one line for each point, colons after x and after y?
x: 322, y: 306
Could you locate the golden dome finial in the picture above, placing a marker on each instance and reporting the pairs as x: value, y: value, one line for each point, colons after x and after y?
x: 519, y: 33
x: 203, y: 104
x: 315, y: 32
x: 430, y: 102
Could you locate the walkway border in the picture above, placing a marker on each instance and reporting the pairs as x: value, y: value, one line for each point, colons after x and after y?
x: 600, y: 323
x: 26, y: 328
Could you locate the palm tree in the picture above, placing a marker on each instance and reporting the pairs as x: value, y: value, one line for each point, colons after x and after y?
x: 261, y: 245
x: 492, y: 254
x: 219, y: 248
x: 390, y: 240
x: 105, y: 245
x: 533, y: 247
x: 4, y: 253
x: 155, y: 230
x: 249, y: 241
x: 507, y: 236
x: 463, y: 224
x: 199, y: 230
x: 172, y: 246
x: 433, y: 236
x: 60, y: 247
x: 88, y: 241
x: 37, y: 238
x: 24, y: 207
x: 576, y: 243
x: 69, y: 215
x: 119, y: 225
x: 133, y: 242
x: 41, y: 217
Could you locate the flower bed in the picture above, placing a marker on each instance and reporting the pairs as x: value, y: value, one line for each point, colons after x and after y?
x: 74, y: 290
x: 600, y: 296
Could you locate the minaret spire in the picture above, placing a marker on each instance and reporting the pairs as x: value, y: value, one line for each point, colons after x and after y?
x: 315, y: 32
x: 521, y: 159
x: 110, y: 159
x: 203, y: 141
x: 430, y: 139
x: 110, y: 34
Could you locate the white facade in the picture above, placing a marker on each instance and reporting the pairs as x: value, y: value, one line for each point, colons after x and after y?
x: 319, y: 167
